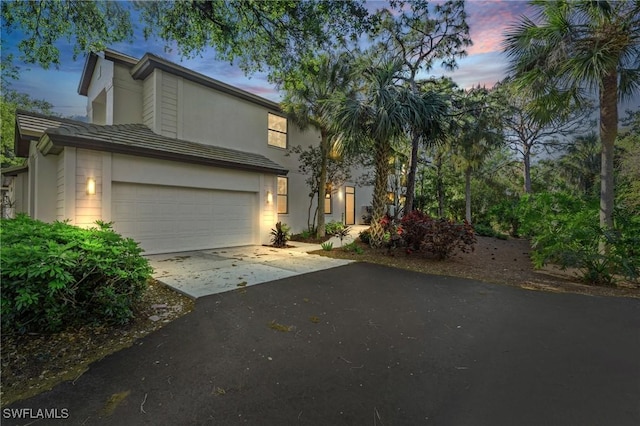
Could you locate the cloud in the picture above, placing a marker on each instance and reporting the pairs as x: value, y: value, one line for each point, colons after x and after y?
x: 488, y: 21
x: 482, y: 69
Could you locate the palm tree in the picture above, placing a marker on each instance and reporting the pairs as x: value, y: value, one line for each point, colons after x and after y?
x: 477, y: 134
x: 306, y: 94
x: 575, y: 45
x: 375, y: 119
x: 580, y: 164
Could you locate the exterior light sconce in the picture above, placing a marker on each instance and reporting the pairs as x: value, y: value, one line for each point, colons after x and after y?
x: 91, y: 186
x: 269, y: 197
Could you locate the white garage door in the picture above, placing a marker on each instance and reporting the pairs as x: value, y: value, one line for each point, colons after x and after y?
x: 165, y: 219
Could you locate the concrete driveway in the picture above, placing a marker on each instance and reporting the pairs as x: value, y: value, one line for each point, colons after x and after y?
x: 206, y: 272
x: 366, y: 344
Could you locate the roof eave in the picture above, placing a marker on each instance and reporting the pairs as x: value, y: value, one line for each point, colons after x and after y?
x: 56, y: 141
x: 87, y: 73
x: 150, y: 62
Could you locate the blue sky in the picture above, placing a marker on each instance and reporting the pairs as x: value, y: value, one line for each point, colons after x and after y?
x: 484, y: 65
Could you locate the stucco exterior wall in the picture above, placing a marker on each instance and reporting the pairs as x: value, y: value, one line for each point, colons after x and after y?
x: 127, y: 95
x: 88, y: 207
x: 60, y: 188
x: 43, y: 170
x: 174, y: 106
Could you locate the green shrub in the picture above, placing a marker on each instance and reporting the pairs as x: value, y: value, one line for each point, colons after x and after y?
x: 353, y: 247
x: 331, y: 228
x: 565, y: 230
x: 327, y: 246
x: 57, y: 275
x: 487, y: 231
x: 441, y: 237
x: 365, y: 236
x: 280, y: 235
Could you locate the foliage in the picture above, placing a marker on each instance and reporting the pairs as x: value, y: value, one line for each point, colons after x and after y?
x: 335, y: 226
x: 565, y: 231
x: 365, y: 236
x: 353, y: 247
x: 441, y: 237
x: 92, y: 25
x: 507, y: 216
x: 10, y: 101
x: 280, y: 235
x: 327, y: 246
x: 259, y: 35
x: 628, y: 163
x: 402, y: 35
x: 272, y: 36
x: 487, y: 231
x: 572, y: 46
x: 337, y: 169
x: 477, y: 132
x: 530, y: 130
x: 57, y: 275
x: 308, y: 89
x: 376, y: 119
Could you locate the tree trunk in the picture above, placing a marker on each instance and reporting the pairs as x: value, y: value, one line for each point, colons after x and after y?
x: 411, y: 177
x: 467, y: 194
x: 382, y: 156
x: 608, y: 134
x: 322, y: 181
x: 439, y: 186
x: 526, y: 162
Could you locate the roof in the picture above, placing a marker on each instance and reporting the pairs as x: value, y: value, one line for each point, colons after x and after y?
x: 14, y: 170
x: 31, y: 125
x: 150, y: 62
x: 137, y: 139
x: 90, y: 66
x: 142, y: 68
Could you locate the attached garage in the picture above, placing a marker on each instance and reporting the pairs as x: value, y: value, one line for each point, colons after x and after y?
x: 170, y: 218
x: 168, y: 194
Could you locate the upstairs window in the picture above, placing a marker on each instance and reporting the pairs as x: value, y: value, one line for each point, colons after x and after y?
x: 277, y: 131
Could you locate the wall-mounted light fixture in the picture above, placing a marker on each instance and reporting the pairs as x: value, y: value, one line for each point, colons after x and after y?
x: 91, y: 186
x: 269, y: 197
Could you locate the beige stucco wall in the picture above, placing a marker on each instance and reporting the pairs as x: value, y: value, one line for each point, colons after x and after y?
x: 43, y: 173
x: 113, y: 97
x: 88, y: 208
x: 176, y: 107
x: 60, y: 213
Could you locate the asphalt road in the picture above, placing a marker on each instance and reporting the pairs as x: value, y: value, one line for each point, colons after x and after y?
x: 369, y: 345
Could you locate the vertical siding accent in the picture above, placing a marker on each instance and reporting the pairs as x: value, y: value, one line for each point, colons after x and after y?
x: 60, y: 185
x: 88, y: 207
x: 106, y: 186
x: 169, y: 106
x: 148, y: 102
x: 70, y: 184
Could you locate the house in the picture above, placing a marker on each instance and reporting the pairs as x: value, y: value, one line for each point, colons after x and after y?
x: 175, y: 159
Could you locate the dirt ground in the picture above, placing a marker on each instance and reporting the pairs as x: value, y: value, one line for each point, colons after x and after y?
x: 34, y: 363
x: 493, y: 260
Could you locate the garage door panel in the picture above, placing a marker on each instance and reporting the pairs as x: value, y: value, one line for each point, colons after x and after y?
x: 165, y: 219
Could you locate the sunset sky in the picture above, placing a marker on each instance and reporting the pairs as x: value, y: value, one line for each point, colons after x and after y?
x: 484, y: 65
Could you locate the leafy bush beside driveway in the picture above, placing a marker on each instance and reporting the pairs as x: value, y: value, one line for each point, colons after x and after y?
x: 55, y: 276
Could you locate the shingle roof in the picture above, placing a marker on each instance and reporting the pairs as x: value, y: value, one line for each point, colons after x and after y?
x: 138, y: 139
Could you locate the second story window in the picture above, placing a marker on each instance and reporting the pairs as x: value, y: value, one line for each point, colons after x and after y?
x: 277, y: 131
